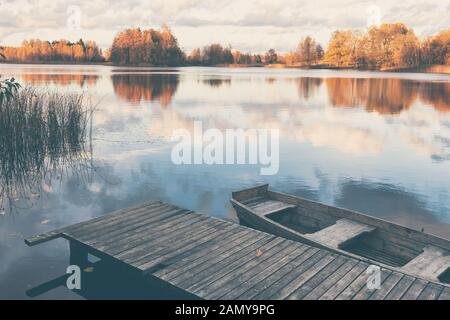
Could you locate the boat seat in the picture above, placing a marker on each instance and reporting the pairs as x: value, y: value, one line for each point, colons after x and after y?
x: 341, y: 232
x: 268, y: 206
x: 431, y: 263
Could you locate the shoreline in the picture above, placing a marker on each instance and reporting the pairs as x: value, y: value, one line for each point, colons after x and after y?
x: 440, y: 69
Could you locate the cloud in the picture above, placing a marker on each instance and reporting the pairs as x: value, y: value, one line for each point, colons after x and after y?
x: 254, y: 24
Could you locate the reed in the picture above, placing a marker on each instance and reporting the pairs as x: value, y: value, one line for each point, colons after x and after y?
x: 42, y: 135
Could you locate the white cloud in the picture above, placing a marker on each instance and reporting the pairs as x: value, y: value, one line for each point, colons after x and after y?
x: 248, y: 25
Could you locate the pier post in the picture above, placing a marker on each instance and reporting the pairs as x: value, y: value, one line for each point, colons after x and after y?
x: 78, y: 255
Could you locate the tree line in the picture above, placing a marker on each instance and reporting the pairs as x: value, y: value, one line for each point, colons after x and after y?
x: 56, y: 51
x: 383, y: 47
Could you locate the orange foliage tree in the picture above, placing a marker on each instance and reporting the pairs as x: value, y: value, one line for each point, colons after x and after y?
x: 153, y: 47
x: 60, y: 51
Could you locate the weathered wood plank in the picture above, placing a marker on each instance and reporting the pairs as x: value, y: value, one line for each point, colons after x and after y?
x: 304, y: 276
x: 431, y: 292
x: 345, y: 281
x: 235, y: 265
x: 139, y: 255
x: 169, y: 254
x: 365, y: 292
x: 415, y: 290
x: 87, y: 234
x: 206, y: 255
x: 255, y: 279
x: 48, y: 236
x: 317, y: 279
x: 274, y: 278
x: 341, y: 232
x: 130, y: 239
x: 108, y: 219
x: 331, y: 280
x: 386, y: 286
x: 246, y: 270
x: 215, y: 260
x: 445, y: 295
x: 400, y: 288
x: 222, y: 268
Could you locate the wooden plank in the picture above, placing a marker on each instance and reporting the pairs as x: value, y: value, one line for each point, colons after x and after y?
x: 365, y: 292
x: 238, y: 263
x: 445, y: 295
x: 47, y: 236
x: 205, y: 255
x: 400, y: 288
x: 212, y: 259
x: 250, y: 193
x: 341, y: 232
x: 210, y: 274
x: 138, y: 255
x: 381, y: 293
x: 113, y: 227
x: 317, y: 279
x: 414, y: 290
x: 255, y: 279
x: 252, y: 201
x: 431, y: 292
x: 147, y: 240
x: 246, y: 271
x: 344, y: 282
x: 302, y: 277
x: 266, y: 283
x: 145, y: 234
x: 331, y: 280
x: 107, y: 219
x: 169, y: 255
x: 44, y: 237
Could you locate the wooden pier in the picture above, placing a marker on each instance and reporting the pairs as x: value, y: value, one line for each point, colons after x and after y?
x: 210, y: 258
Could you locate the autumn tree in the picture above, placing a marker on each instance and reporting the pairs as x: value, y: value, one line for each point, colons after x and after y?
x: 271, y: 56
x: 60, y: 51
x: 342, y: 49
x: 391, y: 46
x: 195, y: 58
x: 134, y: 46
x: 436, y: 49
x: 309, y: 51
x: 215, y: 54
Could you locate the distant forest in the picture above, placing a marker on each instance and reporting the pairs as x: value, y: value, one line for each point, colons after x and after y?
x: 389, y: 46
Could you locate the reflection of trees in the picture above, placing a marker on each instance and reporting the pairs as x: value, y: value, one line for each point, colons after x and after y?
x: 135, y: 88
x: 42, y: 138
x: 217, y: 82
x: 60, y: 79
x: 386, y: 96
x: 307, y: 87
x: 437, y: 94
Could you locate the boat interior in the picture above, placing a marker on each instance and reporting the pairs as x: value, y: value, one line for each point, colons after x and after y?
x: 356, y: 233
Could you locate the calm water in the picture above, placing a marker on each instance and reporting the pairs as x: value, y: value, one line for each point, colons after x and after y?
x: 378, y: 143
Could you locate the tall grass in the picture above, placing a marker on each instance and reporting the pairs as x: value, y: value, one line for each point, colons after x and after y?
x: 42, y: 135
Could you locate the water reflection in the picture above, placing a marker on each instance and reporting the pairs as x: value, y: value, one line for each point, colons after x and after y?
x: 80, y: 80
x: 386, y: 96
x: 307, y: 87
x: 139, y: 87
x: 216, y: 82
x: 391, y: 162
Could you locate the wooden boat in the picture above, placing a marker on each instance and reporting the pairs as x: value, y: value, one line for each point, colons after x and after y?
x: 344, y: 231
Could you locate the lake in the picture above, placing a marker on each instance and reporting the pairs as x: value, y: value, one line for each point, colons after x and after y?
x: 374, y: 142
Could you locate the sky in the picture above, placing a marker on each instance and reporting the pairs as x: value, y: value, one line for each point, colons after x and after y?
x: 247, y: 25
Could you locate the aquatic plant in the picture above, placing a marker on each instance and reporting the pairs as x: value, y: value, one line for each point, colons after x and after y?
x: 43, y: 135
